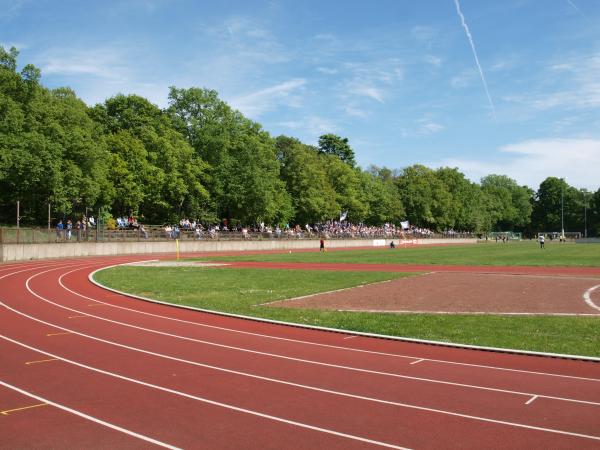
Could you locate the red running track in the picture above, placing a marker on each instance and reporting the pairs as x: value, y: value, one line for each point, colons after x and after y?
x: 81, y: 367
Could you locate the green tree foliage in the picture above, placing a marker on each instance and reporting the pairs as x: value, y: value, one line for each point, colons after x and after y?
x: 331, y: 144
x: 201, y: 159
x: 380, y: 194
x: 244, y: 168
x: 425, y: 197
x: 345, y: 181
x: 155, y: 171
x: 306, y: 181
x: 50, y: 150
x: 548, y: 203
x: 507, y: 204
x: 593, y: 213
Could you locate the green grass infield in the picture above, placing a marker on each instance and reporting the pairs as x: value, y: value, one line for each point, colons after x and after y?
x: 244, y: 291
x: 482, y: 254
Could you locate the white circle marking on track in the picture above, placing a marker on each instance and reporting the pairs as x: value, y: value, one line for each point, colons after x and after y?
x: 587, y: 296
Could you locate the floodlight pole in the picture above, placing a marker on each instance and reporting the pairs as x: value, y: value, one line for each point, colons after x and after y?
x: 562, y: 212
x: 584, y: 214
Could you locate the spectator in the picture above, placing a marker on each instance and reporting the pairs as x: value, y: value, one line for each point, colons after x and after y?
x: 69, y: 229
x: 59, y: 230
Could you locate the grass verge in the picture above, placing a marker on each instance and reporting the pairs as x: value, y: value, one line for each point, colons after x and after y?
x: 242, y: 291
x: 482, y: 254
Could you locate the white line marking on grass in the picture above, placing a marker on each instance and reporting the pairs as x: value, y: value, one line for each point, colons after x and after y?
x: 287, y: 358
x: 300, y: 424
x: 475, y: 313
x: 325, y: 292
x: 312, y: 343
x: 88, y: 417
x: 480, y: 366
x: 531, y: 400
x: 200, y: 399
x: 587, y: 296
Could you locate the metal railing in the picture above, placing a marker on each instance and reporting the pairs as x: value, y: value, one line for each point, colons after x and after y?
x: 156, y: 233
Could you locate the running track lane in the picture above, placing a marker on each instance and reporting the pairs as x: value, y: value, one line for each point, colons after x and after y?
x: 178, y: 380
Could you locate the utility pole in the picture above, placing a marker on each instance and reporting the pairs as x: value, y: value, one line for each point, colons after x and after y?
x: 562, y: 212
x: 584, y: 214
x: 18, y: 213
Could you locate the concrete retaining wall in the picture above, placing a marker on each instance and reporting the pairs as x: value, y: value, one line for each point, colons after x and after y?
x: 22, y: 252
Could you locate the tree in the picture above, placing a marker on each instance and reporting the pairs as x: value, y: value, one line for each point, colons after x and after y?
x: 50, y: 150
x: 381, y: 195
x: 244, y: 169
x: 425, y: 198
x: 594, y: 214
x: 306, y: 180
x: 548, y: 204
x: 345, y: 181
x: 155, y: 172
x: 331, y: 144
x: 508, y: 204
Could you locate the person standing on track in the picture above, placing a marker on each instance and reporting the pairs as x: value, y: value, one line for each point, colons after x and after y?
x: 322, y: 245
x: 541, y: 240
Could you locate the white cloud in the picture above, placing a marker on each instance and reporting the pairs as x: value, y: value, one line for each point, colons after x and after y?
x: 311, y: 127
x: 570, y: 84
x: 364, y: 82
x: 531, y: 162
x: 12, y: 9
x: 354, y: 111
x: 18, y: 45
x: 505, y: 63
x: 327, y: 70
x: 433, y: 60
x: 463, y: 80
x: 421, y: 128
x: 101, y: 62
x: 259, y: 102
x: 424, y: 34
x: 368, y: 91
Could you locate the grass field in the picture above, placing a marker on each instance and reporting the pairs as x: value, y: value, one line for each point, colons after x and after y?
x: 490, y: 254
x: 242, y: 291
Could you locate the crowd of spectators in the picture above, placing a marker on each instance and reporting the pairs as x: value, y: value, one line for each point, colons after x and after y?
x: 193, y: 229
x: 332, y: 229
x: 65, y: 228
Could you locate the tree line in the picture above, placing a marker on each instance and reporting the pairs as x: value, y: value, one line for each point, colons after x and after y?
x: 200, y: 158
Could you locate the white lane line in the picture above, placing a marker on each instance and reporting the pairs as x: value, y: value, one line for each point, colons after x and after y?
x: 479, y: 366
x: 350, y: 337
x: 212, y: 402
x: 32, y: 268
x: 417, y: 361
x: 296, y: 359
x: 88, y: 417
x: 279, y: 419
x: 531, y: 400
x: 221, y: 369
x: 288, y: 358
x: 587, y: 296
x: 301, y: 360
x: 302, y: 297
x: 471, y: 313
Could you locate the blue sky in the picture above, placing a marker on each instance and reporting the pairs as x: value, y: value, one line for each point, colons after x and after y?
x: 399, y: 78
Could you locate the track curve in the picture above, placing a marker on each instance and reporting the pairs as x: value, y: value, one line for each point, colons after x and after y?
x: 84, y: 367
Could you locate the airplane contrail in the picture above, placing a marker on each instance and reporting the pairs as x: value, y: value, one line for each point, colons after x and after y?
x: 576, y: 8
x: 464, y: 24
